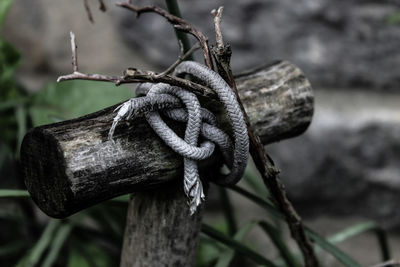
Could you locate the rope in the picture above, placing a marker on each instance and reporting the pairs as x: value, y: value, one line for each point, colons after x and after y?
x: 200, y: 121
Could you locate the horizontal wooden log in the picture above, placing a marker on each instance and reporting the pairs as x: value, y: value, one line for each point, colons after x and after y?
x: 71, y: 165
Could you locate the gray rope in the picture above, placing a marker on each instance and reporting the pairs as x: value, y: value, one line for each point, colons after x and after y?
x: 200, y: 121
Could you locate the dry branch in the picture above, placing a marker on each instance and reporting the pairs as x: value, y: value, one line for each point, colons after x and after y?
x: 133, y: 75
x: 263, y: 162
x: 179, y: 24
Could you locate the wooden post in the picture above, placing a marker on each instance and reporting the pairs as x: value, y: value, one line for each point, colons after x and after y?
x: 71, y: 165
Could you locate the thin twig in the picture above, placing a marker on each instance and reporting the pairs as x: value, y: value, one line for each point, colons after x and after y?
x: 179, y: 24
x: 217, y: 24
x: 264, y: 164
x: 138, y: 76
x: 74, y: 54
x: 173, y: 8
x: 102, y: 6
x: 181, y: 58
x: 88, y: 11
x: 90, y: 77
x: 390, y: 263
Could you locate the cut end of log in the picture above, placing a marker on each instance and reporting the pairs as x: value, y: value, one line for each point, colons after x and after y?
x: 43, y: 158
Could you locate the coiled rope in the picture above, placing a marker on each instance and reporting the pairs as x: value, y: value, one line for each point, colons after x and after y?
x: 169, y: 100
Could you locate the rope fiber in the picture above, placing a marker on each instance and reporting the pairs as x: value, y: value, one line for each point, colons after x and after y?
x: 183, y: 106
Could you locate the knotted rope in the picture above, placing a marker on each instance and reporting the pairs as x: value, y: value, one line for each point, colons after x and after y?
x: 169, y: 100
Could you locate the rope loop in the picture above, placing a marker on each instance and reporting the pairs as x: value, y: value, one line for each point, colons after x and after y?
x: 183, y: 106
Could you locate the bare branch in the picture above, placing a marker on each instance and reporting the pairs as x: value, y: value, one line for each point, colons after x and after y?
x: 102, y: 6
x: 390, y: 263
x: 74, y: 54
x: 181, y: 48
x: 88, y: 11
x: 222, y: 55
x: 217, y: 23
x: 181, y: 58
x: 139, y: 76
x: 133, y: 75
x: 91, y: 77
x: 179, y: 24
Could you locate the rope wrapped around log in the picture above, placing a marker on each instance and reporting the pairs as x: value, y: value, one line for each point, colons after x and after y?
x: 71, y: 165
x: 199, y: 120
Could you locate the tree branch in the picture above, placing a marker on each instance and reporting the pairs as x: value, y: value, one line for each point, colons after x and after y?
x: 262, y: 161
x: 217, y: 24
x: 139, y: 76
x: 173, y: 8
x: 132, y: 75
x: 74, y: 54
x: 102, y: 7
x: 88, y: 11
x: 181, y: 58
x: 179, y: 24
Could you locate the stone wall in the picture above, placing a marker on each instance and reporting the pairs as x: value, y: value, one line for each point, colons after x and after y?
x: 348, y: 162
x: 341, y: 43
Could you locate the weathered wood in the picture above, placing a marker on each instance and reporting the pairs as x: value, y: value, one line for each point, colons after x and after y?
x: 159, y: 229
x: 71, y: 165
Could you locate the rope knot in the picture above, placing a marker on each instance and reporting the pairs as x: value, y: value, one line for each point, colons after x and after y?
x: 169, y: 100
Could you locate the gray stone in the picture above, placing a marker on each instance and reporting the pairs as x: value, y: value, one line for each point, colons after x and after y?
x: 348, y: 161
x: 339, y: 43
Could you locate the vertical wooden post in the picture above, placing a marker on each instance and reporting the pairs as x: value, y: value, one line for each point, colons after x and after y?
x: 160, y: 230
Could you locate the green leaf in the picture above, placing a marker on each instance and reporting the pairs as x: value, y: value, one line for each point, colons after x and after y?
x: 94, y: 255
x: 362, y: 228
x: 173, y: 8
x: 11, y: 193
x: 76, y: 259
x: 5, y: 154
x: 333, y: 250
x: 327, y: 246
x: 34, y: 255
x: 58, y: 242
x: 12, y: 248
x: 4, y: 6
x: 123, y: 199
x: 227, y: 256
x: 266, y: 204
x: 208, y: 252
x: 273, y: 233
x: 21, y: 117
x: 73, y: 99
x: 393, y: 19
x: 106, y: 221
x: 251, y: 177
x: 9, y: 59
x: 12, y: 103
x: 251, y: 254
x: 228, y: 211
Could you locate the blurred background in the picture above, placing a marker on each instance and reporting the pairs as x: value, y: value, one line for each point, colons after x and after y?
x: 345, y: 169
